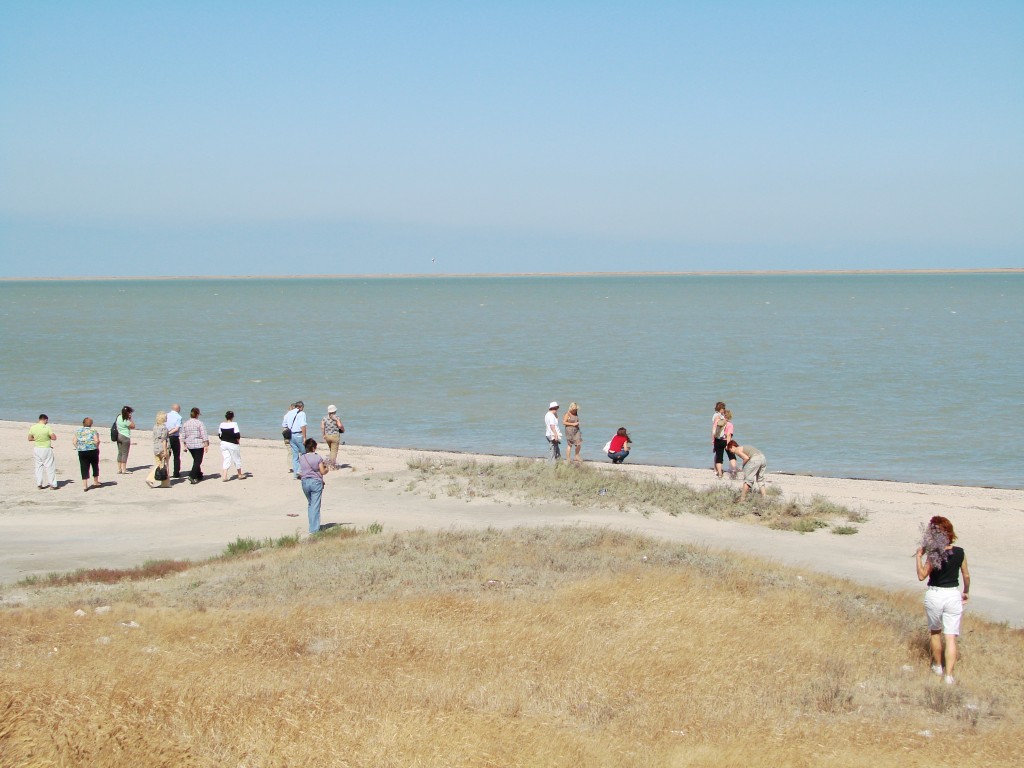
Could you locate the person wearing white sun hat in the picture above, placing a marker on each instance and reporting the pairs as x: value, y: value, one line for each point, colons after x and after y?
x: 552, y: 434
x: 331, y: 428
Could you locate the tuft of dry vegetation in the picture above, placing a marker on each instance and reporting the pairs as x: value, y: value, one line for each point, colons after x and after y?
x: 595, y: 485
x: 151, y: 569
x: 529, y: 647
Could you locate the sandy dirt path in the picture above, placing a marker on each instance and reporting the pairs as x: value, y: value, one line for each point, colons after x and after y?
x: 125, y: 522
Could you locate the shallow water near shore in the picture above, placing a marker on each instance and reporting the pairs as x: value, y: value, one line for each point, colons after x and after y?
x: 902, y: 377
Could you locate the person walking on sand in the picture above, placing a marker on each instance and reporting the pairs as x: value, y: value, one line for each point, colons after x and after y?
x: 173, y: 438
x: 160, y: 450
x: 230, y: 446
x: 196, y: 441
x: 332, y: 429
x: 551, y: 433
x: 43, y: 436
x: 87, y: 443
x: 124, y: 425
x: 573, y: 436
x: 311, y: 472
x: 754, y: 466
x: 941, y: 563
x: 294, y: 428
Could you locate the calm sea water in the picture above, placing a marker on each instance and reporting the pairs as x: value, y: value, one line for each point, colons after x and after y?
x: 903, y: 377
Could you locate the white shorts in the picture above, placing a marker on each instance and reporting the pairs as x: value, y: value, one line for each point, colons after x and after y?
x: 232, y: 454
x: 943, y: 606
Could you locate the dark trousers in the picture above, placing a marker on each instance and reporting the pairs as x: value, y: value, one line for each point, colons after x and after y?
x: 197, y: 464
x: 89, y: 460
x: 175, y: 442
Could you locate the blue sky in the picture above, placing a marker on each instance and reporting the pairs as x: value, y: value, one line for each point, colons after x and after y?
x: 270, y: 138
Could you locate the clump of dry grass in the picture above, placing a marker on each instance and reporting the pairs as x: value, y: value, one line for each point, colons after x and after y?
x: 151, y: 569
x: 626, y: 491
x: 521, y: 648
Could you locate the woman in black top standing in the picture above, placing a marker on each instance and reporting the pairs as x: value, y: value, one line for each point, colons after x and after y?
x: 942, y: 563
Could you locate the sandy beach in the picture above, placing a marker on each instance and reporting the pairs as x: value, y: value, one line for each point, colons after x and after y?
x: 125, y: 522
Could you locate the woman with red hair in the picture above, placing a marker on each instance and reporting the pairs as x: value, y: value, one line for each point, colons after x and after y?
x: 942, y: 563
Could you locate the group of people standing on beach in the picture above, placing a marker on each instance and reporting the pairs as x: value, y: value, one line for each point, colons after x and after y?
x: 618, y: 448
x: 170, y: 435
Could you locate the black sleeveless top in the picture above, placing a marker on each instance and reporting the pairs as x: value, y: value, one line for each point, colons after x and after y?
x: 949, y: 574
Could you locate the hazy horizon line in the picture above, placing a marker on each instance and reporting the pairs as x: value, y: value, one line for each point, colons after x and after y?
x: 414, y: 275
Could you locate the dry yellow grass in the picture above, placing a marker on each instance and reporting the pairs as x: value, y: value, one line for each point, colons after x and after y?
x: 527, y: 648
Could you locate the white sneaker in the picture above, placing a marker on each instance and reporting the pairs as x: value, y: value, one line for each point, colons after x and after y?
x: 949, y: 680
x: 937, y: 669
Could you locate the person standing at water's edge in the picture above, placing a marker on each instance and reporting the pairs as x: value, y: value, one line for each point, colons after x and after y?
x: 573, y: 436
x: 174, y: 438
x: 311, y: 472
x: 718, y: 438
x: 125, y: 425
x: 43, y: 436
x: 193, y: 435
x: 294, y: 426
x: 87, y: 443
x: 332, y: 429
x: 941, y: 563
x: 551, y: 433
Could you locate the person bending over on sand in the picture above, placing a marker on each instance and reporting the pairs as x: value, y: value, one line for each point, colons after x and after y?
x: 551, y: 433
x: 160, y: 451
x: 573, y: 436
x: 332, y: 429
x: 87, y: 443
x: 311, y: 472
x: 294, y: 430
x: 941, y: 563
x: 230, y: 442
x: 125, y: 425
x: 42, y: 435
x: 618, y: 447
x: 754, y: 466
x: 193, y: 435
x: 718, y: 439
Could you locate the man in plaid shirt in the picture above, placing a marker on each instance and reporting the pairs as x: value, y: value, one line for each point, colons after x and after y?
x: 196, y: 441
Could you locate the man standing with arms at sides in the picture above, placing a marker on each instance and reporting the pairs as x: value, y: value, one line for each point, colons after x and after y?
x: 295, y: 422
x: 552, y: 434
x: 173, y: 436
x: 42, y: 435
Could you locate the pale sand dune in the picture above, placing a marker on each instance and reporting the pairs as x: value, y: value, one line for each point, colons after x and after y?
x: 122, y: 525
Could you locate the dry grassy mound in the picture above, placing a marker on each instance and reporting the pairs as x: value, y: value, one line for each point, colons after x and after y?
x: 536, y: 647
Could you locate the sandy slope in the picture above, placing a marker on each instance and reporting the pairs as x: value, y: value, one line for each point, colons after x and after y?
x: 126, y: 523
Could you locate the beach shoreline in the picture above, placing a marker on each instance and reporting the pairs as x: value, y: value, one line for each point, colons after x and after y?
x: 126, y: 523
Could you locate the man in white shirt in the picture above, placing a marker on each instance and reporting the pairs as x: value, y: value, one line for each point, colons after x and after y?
x: 295, y: 420
x: 173, y: 436
x: 554, y: 437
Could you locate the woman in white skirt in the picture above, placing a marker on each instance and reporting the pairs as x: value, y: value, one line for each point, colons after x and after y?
x: 230, y: 438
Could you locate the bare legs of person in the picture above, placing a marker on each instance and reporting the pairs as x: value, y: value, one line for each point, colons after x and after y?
x: 937, y: 656
x: 746, y: 490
